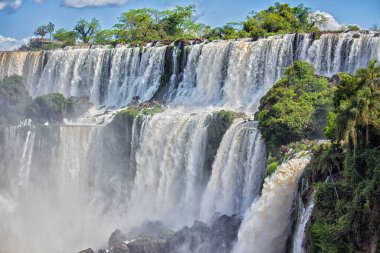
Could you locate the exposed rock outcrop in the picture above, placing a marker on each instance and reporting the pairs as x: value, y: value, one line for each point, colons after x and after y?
x: 154, y: 237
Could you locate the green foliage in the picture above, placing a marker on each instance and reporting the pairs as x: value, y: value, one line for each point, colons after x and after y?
x: 279, y: 19
x: 285, y: 152
x: 139, y: 26
x: 231, y: 30
x: 346, y: 217
x: 105, y: 37
x: 144, y: 25
x: 295, y: 107
x: 48, y: 107
x: 41, y: 31
x: 129, y: 111
x: 152, y: 110
x: 87, y: 29
x: 137, y: 111
x: 353, y: 28
x: 52, y: 107
x: 67, y: 37
x: 14, y: 88
x: 45, y: 29
x: 13, y: 99
x: 272, y: 165
x: 227, y: 116
x: 50, y: 28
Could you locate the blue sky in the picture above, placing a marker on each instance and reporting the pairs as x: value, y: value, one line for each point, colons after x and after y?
x: 18, y: 18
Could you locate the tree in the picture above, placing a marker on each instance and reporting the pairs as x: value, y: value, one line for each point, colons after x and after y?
x: 295, y: 107
x: 137, y: 25
x: 281, y: 18
x: 41, y: 31
x: 181, y: 22
x: 50, y: 28
x: 353, y: 28
x: 86, y: 30
x: 104, y: 37
x: 143, y: 25
x: 350, y: 222
x: 67, y: 37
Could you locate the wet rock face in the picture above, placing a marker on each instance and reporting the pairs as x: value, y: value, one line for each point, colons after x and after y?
x: 194, y: 239
x: 152, y: 229
x: 154, y: 237
x: 116, y: 238
x: 149, y: 245
x: 225, y: 230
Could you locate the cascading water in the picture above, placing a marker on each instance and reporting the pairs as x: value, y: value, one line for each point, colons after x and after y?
x: 29, y: 65
x: 98, y: 178
x: 237, y: 173
x: 300, y: 231
x: 112, y: 76
x: 45, y: 205
x: 176, y: 166
x: 266, y: 225
x: 241, y: 72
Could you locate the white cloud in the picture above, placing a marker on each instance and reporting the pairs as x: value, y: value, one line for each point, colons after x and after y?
x: 92, y: 3
x: 10, y: 4
x: 330, y: 25
x: 9, y: 44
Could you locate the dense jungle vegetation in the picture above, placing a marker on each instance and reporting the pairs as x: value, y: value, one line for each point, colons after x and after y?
x: 345, y: 170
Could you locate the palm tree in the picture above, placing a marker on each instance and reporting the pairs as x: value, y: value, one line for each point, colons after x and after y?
x: 41, y: 31
x: 369, y: 76
x: 50, y: 28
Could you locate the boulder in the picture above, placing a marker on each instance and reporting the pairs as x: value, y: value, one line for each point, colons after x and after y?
x: 116, y: 238
x: 225, y: 230
x: 334, y: 80
x: 198, y: 239
x: 120, y: 248
x: 152, y: 230
x: 155, y: 237
x: 148, y: 245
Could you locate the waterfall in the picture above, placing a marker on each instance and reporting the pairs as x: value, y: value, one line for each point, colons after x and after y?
x: 66, y: 187
x: 84, y: 181
x: 111, y: 76
x: 266, y: 226
x: 237, y: 172
x: 300, y: 231
x: 168, y: 184
x: 46, y: 204
x: 241, y: 73
x: 29, y: 65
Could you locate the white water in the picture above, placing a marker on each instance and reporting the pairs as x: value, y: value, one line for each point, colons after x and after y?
x: 71, y: 181
x: 77, y: 181
x: 111, y: 76
x: 237, y: 173
x: 170, y: 168
x: 242, y: 72
x: 300, y: 232
x: 230, y: 73
x: 45, y: 203
x: 266, y: 226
